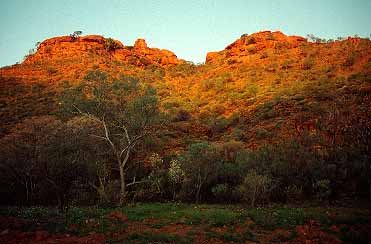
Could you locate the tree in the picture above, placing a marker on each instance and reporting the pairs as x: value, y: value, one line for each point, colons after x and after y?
x: 42, y: 155
x: 95, y: 157
x: 126, y: 111
x: 22, y: 152
x: 75, y: 35
x: 255, y: 187
x: 63, y: 166
x: 176, y: 175
x: 200, y: 164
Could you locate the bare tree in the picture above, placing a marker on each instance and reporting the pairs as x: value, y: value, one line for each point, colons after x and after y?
x: 125, y: 111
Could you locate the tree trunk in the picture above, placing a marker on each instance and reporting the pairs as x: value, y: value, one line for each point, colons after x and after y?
x: 198, y: 192
x: 27, y: 193
x: 123, y: 186
x: 253, y: 197
x: 199, y: 185
x: 103, y: 195
x: 59, y: 199
x: 174, y: 191
x: 101, y: 190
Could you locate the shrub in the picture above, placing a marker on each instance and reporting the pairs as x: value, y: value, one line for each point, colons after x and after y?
x: 261, y: 133
x: 182, y: 115
x: 308, y: 63
x: 200, y: 164
x: 176, y: 175
x: 75, y: 35
x: 43, y: 159
x: 221, y: 192
x: 253, y: 90
x: 293, y: 193
x: 110, y: 45
x: 250, y: 41
x: 286, y: 64
x: 51, y: 71
x: 323, y: 189
x: 255, y: 188
x: 270, y: 37
x: 349, y: 61
x: 252, y: 49
x: 264, y: 55
x: 244, y: 35
x: 271, y: 67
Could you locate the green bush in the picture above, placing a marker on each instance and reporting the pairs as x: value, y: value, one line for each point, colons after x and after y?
x: 308, y: 63
x: 350, y: 59
x: 200, y: 164
x: 323, y: 189
x: 221, y: 192
x: 111, y: 45
x: 256, y: 188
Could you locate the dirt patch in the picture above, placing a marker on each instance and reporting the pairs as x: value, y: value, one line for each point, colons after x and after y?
x: 43, y: 237
x: 178, y: 229
x: 312, y: 233
x: 117, y: 216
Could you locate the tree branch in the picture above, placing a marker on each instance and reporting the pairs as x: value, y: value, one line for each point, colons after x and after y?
x: 136, y: 182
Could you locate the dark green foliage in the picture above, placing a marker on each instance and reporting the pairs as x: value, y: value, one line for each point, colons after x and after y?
x: 183, y: 69
x: 200, y: 164
x: 110, y: 45
x: 75, y: 35
x: 204, y: 220
x: 250, y: 41
x: 41, y: 157
x: 316, y: 39
x: 255, y: 188
x: 182, y: 115
x: 329, y: 158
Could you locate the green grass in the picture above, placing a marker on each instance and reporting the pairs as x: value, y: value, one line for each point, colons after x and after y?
x: 287, y: 218
x: 85, y: 219
x: 81, y: 221
x: 192, y: 214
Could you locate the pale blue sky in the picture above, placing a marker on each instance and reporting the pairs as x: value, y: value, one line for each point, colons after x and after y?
x: 189, y: 28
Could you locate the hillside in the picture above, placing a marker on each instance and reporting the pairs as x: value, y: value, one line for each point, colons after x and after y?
x: 260, y: 88
x: 288, y: 116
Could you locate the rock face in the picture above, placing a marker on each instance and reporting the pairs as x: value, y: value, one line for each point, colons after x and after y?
x: 250, y: 44
x: 90, y: 47
x: 140, y: 44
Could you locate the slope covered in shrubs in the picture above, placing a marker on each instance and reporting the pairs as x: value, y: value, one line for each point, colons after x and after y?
x: 272, y: 118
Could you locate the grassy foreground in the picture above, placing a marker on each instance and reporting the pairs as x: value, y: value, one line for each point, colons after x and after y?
x: 187, y: 223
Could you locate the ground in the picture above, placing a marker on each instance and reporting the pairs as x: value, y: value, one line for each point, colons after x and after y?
x: 185, y: 223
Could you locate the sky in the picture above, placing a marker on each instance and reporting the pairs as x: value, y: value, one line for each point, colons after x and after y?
x: 189, y: 28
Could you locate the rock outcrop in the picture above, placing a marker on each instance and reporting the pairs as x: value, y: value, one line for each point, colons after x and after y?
x: 251, y: 44
x: 85, y: 48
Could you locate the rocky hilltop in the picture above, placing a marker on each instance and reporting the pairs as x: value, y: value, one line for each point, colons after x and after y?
x: 68, y: 57
x: 273, y: 83
x: 85, y: 47
x: 257, y: 42
x: 259, y: 48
